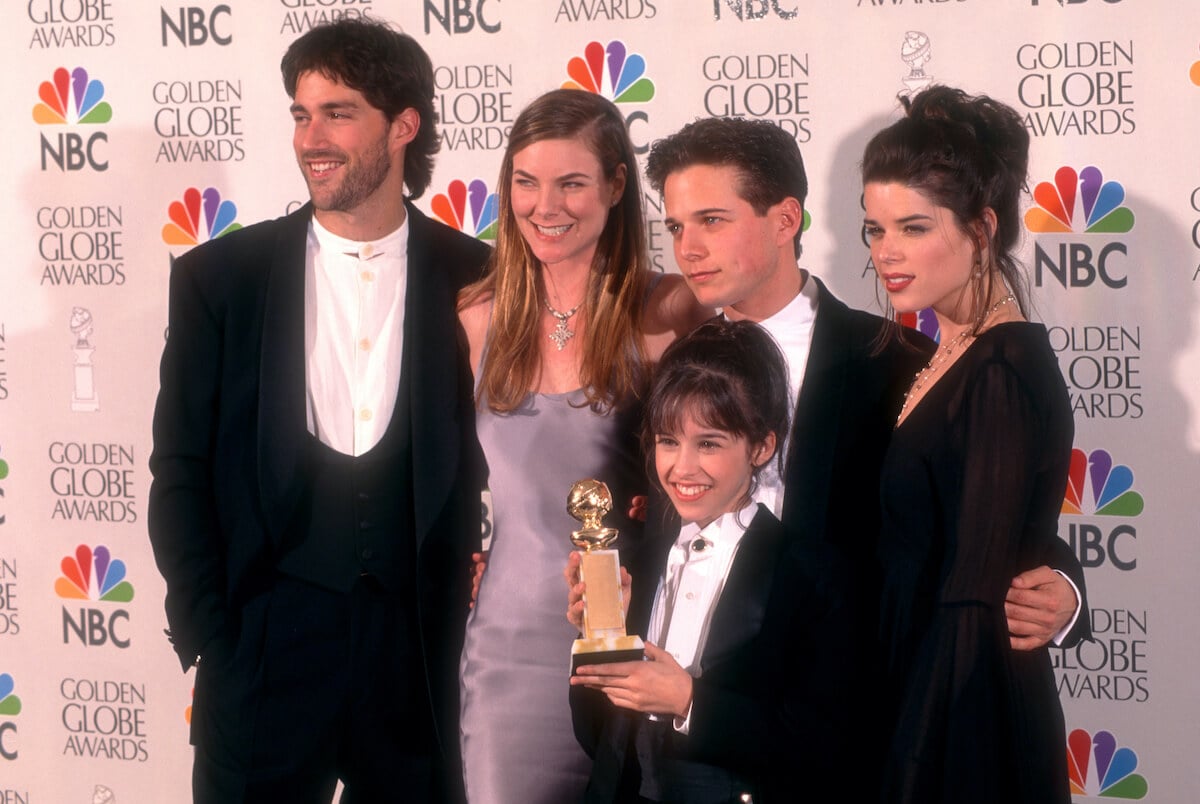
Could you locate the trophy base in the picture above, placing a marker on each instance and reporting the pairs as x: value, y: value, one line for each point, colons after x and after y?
x: 915, y: 85
x: 603, y: 650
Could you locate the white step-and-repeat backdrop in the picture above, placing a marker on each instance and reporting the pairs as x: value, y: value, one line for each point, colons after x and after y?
x: 137, y: 129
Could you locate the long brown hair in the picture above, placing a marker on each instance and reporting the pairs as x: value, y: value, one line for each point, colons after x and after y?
x: 613, y: 350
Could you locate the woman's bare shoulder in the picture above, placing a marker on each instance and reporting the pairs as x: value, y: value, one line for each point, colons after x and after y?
x: 475, y: 318
x: 477, y: 313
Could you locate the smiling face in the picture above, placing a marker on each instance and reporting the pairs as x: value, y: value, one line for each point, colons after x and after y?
x: 351, y: 156
x: 731, y: 256
x: 561, y: 199
x: 707, y: 471
x: 921, y: 255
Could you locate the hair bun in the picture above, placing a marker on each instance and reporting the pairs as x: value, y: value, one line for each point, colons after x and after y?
x: 996, y: 129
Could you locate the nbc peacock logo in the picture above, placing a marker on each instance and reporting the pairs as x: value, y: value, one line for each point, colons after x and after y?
x: 88, y: 564
x: 923, y: 321
x: 1113, y: 767
x: 1101, y: 202
x: 468, y: 208
x: 1111, y: 483
x: 71, y: 98
x: 3, y: 475
x: 199, y: 216
x: 10, y: 704
x: 610, y: 71
x: 1083, y: 203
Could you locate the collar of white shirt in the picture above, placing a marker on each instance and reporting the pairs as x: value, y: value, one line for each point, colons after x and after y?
x: 723, y: 533
x: 394, y: 243
x: 792, y: 329
x: 697, y: 568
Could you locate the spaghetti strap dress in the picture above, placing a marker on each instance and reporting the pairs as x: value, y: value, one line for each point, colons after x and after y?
x: 518, y: 744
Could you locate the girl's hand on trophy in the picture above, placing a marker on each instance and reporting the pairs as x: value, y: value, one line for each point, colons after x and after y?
x: 656, y: 685
x: 576, y: 589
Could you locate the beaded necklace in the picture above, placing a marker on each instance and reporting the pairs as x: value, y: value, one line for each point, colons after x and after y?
x: 942, y: 355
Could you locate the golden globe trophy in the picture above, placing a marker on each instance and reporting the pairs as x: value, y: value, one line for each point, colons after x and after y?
x: 604, y: 638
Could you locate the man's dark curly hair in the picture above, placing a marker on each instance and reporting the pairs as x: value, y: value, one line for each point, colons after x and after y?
x: 388, y: 67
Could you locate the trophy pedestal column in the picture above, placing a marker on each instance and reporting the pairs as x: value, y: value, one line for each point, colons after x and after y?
x: 83, y: 397
x: 604, y: 638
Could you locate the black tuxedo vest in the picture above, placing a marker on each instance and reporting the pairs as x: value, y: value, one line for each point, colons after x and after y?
x: 356, y: 515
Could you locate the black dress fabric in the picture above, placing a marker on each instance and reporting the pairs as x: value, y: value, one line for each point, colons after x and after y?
x: 972, y: 486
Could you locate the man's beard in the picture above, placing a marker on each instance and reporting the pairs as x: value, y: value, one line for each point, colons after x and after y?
x: 358, y: 182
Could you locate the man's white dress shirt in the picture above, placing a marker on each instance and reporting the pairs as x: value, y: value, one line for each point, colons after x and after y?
x: 353, y: 335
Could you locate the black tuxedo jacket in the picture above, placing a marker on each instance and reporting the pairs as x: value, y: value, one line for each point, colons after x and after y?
x: 230, y: 431
x: 777, y: 672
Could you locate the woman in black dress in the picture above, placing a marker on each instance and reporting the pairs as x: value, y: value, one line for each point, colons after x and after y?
x: 975, y: 474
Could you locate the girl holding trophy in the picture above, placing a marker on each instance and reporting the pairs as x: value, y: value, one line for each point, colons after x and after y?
x: 750, y: 651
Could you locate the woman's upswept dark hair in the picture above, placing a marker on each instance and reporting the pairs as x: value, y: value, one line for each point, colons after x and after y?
x: 729, y: 375
x: 966, y: 154
x: 388, y: 67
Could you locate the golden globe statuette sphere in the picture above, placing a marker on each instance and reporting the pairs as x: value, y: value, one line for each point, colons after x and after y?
x: 589, y: 501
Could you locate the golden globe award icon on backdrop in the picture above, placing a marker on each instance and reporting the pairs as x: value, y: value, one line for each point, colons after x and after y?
x: 604, y: 638
x: 84, y: 397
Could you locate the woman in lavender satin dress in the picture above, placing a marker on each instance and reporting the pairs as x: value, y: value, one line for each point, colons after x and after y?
x: 561, y: 330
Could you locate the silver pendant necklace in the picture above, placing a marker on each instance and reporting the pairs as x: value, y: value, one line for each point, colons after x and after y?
x: 562, y: 333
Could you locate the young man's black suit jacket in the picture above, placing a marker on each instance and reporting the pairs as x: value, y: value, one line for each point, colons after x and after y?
x: 230, y: 432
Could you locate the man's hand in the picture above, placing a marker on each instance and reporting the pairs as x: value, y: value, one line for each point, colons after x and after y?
x: 658, y: 686
x: 637, y: 507
x: 479, y: 564
x: 1039, y: 604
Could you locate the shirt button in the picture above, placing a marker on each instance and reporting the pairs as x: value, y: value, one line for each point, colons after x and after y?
x: 690, y: 595
x: 364, y: 415
x: 366, y: 251
x: 364, y: 344
x: 368, y: 276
